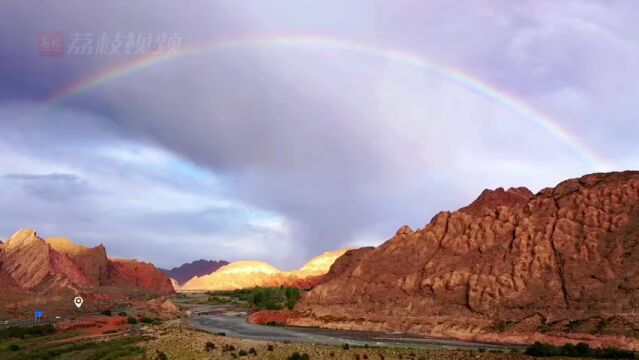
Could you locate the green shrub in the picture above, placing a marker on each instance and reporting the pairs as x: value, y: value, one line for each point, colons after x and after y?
x: 269, y: 347
x: 603, y: 326
x: 209, y: 346
x: 228, y: 347
x: 346, y: 346
x: 501, y: 326
x: 14, y: 347
x: 542, y: 350
x: 573, y: 325
x: 252, y: 351
x: 274, y: 298
x: 297, y: 356
x: 159, y: 355
x: 146, y: 320
x: 579, y: 350
x: 569, y: 350
x: 131, y: 320
x: 614, y: 353
x: 544, y: 328
x: 106, y: 312
x: 582, y: 349
x: 22, y: 332
x: 243, y: 353
x: 216, y: 300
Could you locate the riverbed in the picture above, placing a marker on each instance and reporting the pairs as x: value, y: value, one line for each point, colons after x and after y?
x: 233, y: 322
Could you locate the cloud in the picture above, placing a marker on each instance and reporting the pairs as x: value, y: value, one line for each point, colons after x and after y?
x: 98, y: 186
x: 279, y: 153
x: 51, y: 187
x: 45, y: 177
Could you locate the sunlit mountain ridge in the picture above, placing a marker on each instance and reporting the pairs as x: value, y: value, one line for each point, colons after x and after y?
x: 246, y: 274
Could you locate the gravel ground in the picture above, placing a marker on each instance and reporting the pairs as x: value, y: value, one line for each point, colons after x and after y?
x: 178, y: 341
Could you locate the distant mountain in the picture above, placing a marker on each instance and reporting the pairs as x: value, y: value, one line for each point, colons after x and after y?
x: 185, y: 272
x: 34, y: 270
x: 246, y: 274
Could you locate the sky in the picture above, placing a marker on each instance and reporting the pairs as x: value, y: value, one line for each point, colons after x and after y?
x: 276, y: 130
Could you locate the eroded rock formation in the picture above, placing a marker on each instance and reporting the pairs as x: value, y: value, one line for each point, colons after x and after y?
x: 510, y: 261
x: 31, y: 264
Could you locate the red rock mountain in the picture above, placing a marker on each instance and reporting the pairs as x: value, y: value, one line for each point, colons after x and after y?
x: 562, y: 261
x: 93, y: 263
x: 55, y: 265
x: 185, y: 272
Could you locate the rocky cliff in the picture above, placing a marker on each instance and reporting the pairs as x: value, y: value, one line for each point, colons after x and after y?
x: 126, y: 273
x: 92, y: 262
x: 564, y: 260
x: 30, y: 264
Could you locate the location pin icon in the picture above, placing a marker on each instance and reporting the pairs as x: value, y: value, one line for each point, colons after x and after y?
x: 78, y: 301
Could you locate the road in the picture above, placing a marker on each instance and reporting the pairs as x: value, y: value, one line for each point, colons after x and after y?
x: 30, y: 322
x: 50, y: 320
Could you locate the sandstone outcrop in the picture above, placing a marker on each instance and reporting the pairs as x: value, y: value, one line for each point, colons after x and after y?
x: 33, y: 265
x: 30, y: 264
x: 345, y: 263
x: 93, y: 263
x: 510, y: 263
x: 127, y: 273
x: 273, y: 317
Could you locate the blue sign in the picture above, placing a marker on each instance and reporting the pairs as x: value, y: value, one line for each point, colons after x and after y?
x: 38, y: 313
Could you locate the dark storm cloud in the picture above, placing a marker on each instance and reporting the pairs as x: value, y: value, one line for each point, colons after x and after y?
x: 85, y: 179
x: 300, y: 149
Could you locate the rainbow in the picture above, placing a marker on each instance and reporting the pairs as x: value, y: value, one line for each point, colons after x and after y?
x: 456, y: 76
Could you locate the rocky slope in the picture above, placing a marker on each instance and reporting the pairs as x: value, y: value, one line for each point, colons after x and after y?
x: 34, y: 265
x: 247, y: 274
x: 512, y: 266
x: 92, y: 262
x: 127, y: 273
x: 185, y: 272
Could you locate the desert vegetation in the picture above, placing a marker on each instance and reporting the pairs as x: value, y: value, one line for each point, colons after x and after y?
x: 259, y: 298
x: 43, y: 344
x: 26, y: 332
x: 581, y: 350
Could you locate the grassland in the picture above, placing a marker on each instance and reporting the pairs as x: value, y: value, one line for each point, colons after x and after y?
x: 58, y: 346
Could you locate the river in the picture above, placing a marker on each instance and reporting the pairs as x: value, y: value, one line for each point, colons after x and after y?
x: 220, y: 319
